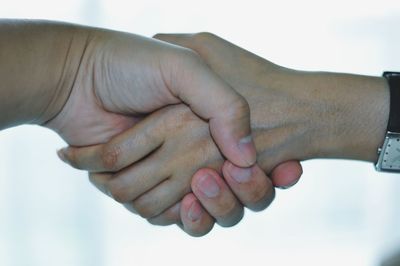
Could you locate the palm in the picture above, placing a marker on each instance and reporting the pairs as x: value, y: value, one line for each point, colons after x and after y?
x: 83, y: 121
x: 110, y: 95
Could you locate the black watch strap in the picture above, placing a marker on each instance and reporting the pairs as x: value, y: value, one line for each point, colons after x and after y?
x: 393, y: 79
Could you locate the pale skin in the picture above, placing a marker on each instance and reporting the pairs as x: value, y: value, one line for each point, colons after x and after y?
x: 91, y: 84
x: 114, y: 76
x: 295, y: 116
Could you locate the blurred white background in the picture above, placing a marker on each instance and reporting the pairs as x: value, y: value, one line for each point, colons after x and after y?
x: 341, y: 212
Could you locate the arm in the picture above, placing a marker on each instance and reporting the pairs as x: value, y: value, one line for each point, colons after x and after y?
x: 39, y: 61
x: 330, y: 115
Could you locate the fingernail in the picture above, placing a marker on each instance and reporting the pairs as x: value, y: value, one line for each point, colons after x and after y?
x: 195, y: 212
x: 241, y: 175
x: 61, y: 155
x: 208, y: 186
x: 289, y: 186
x: 248, y: 150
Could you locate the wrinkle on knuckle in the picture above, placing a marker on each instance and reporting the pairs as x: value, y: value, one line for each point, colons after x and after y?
x: 240, y: 107
x: 175, y: 119
x: 262, y: 200
x: 203, y: 43
x: 203, y: 38
x: 145, y: 210
x: 236, y: 108
x: 185, y: 115
x: 259, y: 193
x: 137, y: 142
x: 232, y: 217
x: 110, y: 157
x: 117, y: 192
x: 193, y: 57
x: 227, y: 209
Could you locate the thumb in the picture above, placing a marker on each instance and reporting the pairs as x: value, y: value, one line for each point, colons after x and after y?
x: 228, y: 113
x: 286, y: 174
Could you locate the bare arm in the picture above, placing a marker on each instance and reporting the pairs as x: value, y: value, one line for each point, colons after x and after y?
x: 39, y: 61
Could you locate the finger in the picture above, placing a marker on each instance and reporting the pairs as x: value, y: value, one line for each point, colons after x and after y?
x: 250, y: 185
x: 193, y: 82
x: 286, y: 174
x: 160, y: 198
x: 133, y: 181
x: 216, y: 197
x: 195, y: 220
x: 121, y: 151
x: 168, y: 217
x: 100, y: 180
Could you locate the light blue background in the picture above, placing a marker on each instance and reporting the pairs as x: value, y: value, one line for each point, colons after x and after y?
x: 340, y: 213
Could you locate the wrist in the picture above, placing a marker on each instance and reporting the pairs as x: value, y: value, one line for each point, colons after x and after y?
x: 353, y: 124
x: 77, y: 39
x: 40, y: 60
x: 282, y: 115
x: 307, y: 115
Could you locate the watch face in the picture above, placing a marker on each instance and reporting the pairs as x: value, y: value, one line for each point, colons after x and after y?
x: 391, y: 153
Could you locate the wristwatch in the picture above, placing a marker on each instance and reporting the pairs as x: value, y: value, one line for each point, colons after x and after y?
x: 389, y: 153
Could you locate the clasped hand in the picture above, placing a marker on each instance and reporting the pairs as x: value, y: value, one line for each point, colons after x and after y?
x: 131, y: 121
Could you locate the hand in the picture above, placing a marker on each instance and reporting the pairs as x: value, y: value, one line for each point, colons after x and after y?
x: 310, y: 115
x: 175, y: 144
x: 283, y: 176
x: 111, y: 75
x: 122, y: 77
x: 307, y: 114
x: 322, y: 115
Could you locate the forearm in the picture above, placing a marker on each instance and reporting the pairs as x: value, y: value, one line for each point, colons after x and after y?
x: 353, y: 117
x: 39, y: 61
x: 320, y: 115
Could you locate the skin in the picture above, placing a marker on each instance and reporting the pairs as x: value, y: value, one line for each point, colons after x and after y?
x: 91, y: 84
x: 295, y: 116
x: 106, y: 81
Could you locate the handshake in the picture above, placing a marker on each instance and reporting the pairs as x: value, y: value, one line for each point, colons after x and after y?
x: 190, y: 129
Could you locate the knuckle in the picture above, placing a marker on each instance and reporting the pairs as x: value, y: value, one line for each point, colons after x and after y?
x: 192, y: 57
x: 110, y: 157
x: 165, y: 218
x: 238, y: 109
x: 202, y: 38
x: 257, y: 195
x: 185, y: 61
x: 117, y: 192
x: 240, y: 106
x: 229, y: 214
x: 145, y: 210
x: 228, y: 210
x: 261, y: 198
x: 202, y: 41
x: 257, y: 190
x: 183, y: 115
